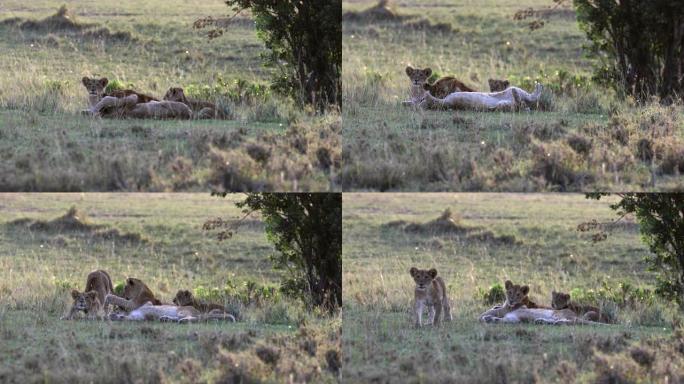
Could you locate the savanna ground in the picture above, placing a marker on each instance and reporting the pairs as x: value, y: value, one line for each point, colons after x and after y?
x: 581, y: 138
x: 528, y: 238
x: 47, y: 145
x: 46, y: 251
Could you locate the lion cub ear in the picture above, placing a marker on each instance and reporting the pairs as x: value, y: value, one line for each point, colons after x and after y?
x: 506, y: 83
x: 84, y: 80
x: 74, y: 294
x: 409, y: 70
x: 104, y: 81
x: 433, y: 273
x: 525, y: 289
x: 428, y: 71
x: 508, y: 284
x: 413, y: 271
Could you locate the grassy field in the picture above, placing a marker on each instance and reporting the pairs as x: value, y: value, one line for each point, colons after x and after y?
x: 582, y: 138
x: 528, y: 238
x: 46, y: 145
x: 159, y: 239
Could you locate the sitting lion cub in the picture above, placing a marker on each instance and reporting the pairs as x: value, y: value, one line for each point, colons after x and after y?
x: 98, y: 286
x: 185, y: 298
x: 431, y: 292
x: 440, y: 89
x: 201, y: 109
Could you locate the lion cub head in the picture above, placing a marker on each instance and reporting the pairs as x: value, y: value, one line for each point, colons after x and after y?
x: 498, y: 85
x: 136, y: 290
x: 95, y: 86
x: 423, y: 277
x: 419, y: 77
x: 175, y: 94
x: 560, y: 300
x: 516, y: 295
x: 183, y: 298
x: 86, y: 301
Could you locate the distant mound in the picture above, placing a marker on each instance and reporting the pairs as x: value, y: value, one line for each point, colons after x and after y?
x: 380, y: 12
x: 448, y: 225
x: 76, y: 223
x: 385, y: 12
x: 64, y: 23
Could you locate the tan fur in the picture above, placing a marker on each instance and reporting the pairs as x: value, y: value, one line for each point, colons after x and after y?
x: 172, y: 313
x: 498, y: 85
x: 514, y: 310
x: 560, y: 300
x: 185, y: 298
x: 510, y: 99
x: 430, y: 292
x: 201, y: 109
x: 128, y: 103
x: 96, y: 89
x: 440, y: 88
x: 136, y: 293
x: 539, y: 316
x: 98, y: 286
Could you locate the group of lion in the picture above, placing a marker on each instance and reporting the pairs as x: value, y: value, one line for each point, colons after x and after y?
x: 430, y: 293
x: 449, y: 92
x: 139, y: 303
x: 129, y: 103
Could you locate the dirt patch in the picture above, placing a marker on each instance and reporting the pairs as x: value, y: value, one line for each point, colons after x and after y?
x: 449, y: 225
x: 76, y: 222
x: 64, y: 23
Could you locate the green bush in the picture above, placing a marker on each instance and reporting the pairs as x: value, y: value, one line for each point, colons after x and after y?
x: 494, y: 295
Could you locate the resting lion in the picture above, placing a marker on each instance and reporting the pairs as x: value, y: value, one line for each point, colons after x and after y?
x: 185, y: 298
x: 201, y: 109
x: 129, y: 103
x: 172, y: 313
x: 514, y: 311
x: 560, y: 300
x: 510, y: 99
x: 135, y: 294
x: 98, y: 286
x: 441, y: 88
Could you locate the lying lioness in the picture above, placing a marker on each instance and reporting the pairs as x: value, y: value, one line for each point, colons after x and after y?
x: 510, y: 99
x: 129, y: 103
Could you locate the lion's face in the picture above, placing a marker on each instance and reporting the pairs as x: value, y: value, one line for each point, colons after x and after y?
x: 418, y: 76
x: 84, y: 301
x: 175, y: 94
x: 498, y: 85
x: 95, y: 86
x: 423, y: 277
x: 183, y: 298
x: 516, y: 294
x: 559, y: 300
x: 134, y: 287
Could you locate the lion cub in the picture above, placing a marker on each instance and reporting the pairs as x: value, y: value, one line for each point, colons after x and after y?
x: 560, y: 300
x: 498, y: 85
x: 517, y: 295
x: 201, y: 109
x: 440, y: 89
x: 430, y: 292
x: 185, y: 298
x: 98, y: 286
x: 96, y: 91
